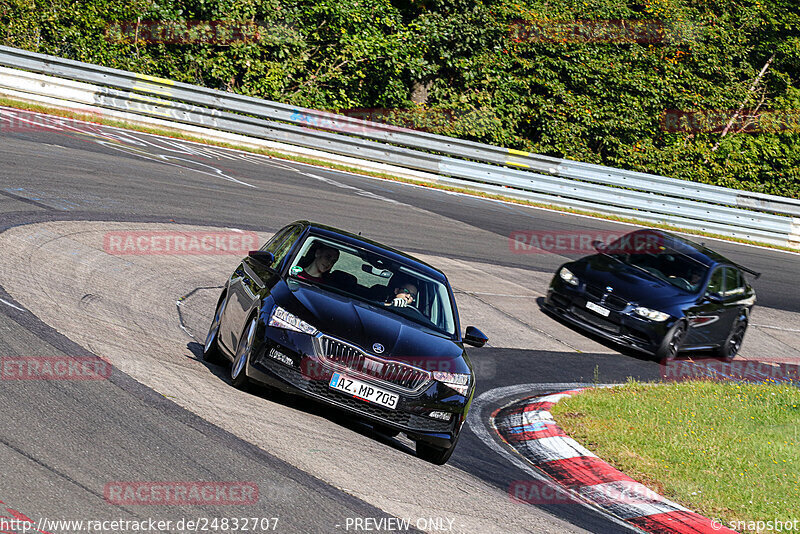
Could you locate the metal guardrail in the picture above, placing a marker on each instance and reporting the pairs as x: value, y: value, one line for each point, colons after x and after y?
x: 760, y: 217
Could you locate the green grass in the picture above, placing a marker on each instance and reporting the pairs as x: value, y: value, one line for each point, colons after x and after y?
x: 726, y: 450
x: 177, y: 134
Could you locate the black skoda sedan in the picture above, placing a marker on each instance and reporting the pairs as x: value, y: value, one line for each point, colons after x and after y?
x: 354, y: 324
x: 656, y: 292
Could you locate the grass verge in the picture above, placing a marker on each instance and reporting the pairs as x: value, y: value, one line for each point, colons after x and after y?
x: 729, y: 451
x: 177, y: 134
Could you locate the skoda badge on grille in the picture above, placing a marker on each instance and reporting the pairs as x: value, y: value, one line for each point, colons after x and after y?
x: 609, y: 289
x: 377, y: 348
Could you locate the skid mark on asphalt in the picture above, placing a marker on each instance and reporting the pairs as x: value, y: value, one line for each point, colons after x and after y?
x: 185, y: 155
x: 180, y: 301
x: 174, y: 161
x: 33, y: 202
x: 58, y: 200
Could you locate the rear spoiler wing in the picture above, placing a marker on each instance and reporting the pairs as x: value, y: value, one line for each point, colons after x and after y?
x: 751, y: 271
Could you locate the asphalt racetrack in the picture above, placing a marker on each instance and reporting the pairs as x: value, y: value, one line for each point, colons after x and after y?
x: 164, y: 415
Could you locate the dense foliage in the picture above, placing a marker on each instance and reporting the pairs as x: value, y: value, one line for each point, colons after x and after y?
x: 500, y: 71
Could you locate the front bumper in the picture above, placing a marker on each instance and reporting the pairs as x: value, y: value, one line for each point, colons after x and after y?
x: 621, y: 326
x: 296, y: 369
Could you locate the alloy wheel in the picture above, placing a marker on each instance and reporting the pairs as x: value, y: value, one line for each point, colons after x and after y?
x: 238, y: 374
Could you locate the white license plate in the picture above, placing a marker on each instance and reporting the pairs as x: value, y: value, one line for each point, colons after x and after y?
x: 598, y: 309
x: 363, y: 391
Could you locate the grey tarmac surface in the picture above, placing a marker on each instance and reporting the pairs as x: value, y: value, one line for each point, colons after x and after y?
x: 62, y: 441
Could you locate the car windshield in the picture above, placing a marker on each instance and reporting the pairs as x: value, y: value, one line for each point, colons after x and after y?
x: 653, y: 254
x: 375, y: 279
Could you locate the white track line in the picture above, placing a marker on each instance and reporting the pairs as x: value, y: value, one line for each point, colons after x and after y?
x: 11, y: 305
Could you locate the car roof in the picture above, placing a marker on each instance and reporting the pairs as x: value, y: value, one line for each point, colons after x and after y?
x: 688, y: 247
x: 373, y: 246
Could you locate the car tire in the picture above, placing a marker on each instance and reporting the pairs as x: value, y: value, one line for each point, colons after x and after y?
x: 211, y: 352
x: 433, y: 454
x: 239, y: 377
x: 671, y: 344
x: 728, y: 350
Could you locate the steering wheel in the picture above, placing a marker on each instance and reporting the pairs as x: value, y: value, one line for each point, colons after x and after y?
x: 410, y: 308
x: 414, y: 308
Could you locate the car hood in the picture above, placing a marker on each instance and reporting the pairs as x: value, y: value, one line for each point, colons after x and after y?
x: 364, y: 325
x: 628, y: 282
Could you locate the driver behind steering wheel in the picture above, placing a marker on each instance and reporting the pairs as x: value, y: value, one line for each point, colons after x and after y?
x: 404, y: 294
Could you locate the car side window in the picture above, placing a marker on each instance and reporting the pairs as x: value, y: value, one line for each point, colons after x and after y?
x: 715, y: 285
x: 283, y: 248
x: 282, y: 242
x: 734, y: 282
x: 277, y: 239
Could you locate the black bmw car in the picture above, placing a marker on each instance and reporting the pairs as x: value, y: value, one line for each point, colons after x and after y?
x: 354, y: 324
x: 656, y: 292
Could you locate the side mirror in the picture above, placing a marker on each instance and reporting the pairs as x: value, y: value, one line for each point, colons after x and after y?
x: 474, y: 337
x: 599, y: 246
x: 262, y: 256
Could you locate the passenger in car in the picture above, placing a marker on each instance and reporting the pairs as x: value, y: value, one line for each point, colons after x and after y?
x: 324, y: 259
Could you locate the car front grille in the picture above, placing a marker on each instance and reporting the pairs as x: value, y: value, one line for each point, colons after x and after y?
x: 350, y: 358
x: 595, y: 320
x: 612, y: 302
x: 321, y: 390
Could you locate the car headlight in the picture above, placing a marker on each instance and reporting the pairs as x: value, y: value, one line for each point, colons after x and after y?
x: 653, y: 315
x: 281, y: 318
x: 567, y: 276
x: 457, y: 381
